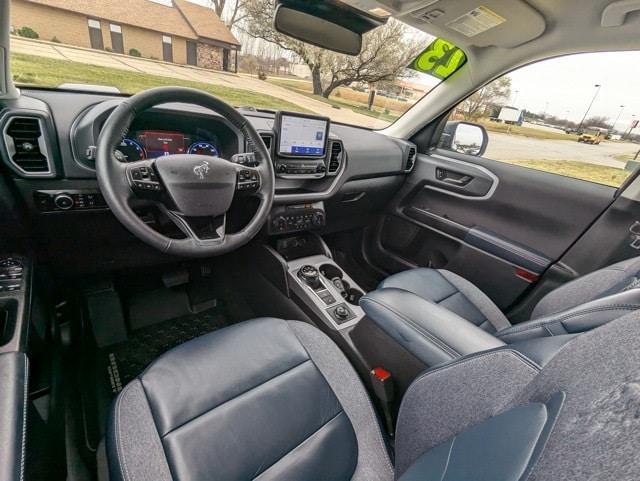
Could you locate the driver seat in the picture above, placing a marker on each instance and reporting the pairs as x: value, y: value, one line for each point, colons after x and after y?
x: 269, y: 399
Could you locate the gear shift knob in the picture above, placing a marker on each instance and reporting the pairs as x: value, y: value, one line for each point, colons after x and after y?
x: 310, y: 276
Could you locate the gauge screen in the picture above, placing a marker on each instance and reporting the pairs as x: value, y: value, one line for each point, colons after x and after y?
x: 131, y: 150
x: 203, y: 148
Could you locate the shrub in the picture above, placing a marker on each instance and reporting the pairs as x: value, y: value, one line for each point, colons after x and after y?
x: 108, y: 49
x: 55, y: 39
x: 337, y: 94
x: 262, y: 75
x: 134, y: 52
x: 27, y: 32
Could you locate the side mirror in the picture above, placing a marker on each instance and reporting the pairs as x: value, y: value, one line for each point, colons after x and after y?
x: 464, y: 137
x: 328, y: 24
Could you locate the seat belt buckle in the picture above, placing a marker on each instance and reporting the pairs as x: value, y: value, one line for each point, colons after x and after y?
x: 384, y: 390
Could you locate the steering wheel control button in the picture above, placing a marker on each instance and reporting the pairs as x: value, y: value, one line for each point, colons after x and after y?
x: 144, y: 179
x: 248, y: 180
x: 341, y: 313
x: 310, y: 276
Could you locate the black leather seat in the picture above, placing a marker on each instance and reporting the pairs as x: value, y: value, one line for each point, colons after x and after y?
x: 270, y: 399
x: 425, y: 310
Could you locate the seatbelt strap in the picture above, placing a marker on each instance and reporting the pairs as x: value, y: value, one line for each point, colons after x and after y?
x: 385, y: 392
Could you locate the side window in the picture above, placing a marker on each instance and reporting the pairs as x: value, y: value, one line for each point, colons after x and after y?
x: 573, y: 116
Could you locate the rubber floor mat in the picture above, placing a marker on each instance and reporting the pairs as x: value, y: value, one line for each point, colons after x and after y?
x: 126, y: 360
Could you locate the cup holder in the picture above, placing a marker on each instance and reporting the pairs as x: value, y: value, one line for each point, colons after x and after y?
x: 336, y: 277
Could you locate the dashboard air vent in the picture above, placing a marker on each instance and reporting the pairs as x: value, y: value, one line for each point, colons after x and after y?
x: 411, y: 160
x: 26, y: 145
x: 268, y: 140
x: 335, y: 160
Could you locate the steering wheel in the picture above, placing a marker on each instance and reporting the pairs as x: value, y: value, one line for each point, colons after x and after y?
x: 191, y: 189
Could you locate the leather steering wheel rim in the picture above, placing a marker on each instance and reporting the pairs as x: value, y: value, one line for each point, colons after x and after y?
x: 117, y: 193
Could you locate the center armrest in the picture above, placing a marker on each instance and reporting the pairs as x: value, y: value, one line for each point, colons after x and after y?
x: 432, y: 334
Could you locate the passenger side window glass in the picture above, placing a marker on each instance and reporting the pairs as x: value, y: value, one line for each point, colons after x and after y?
x: 575, y: 116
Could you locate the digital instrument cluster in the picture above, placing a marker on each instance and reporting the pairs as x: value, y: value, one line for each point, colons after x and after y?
x: 149, y: 144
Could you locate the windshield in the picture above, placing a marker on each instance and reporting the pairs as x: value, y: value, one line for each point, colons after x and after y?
x: 227, y: 48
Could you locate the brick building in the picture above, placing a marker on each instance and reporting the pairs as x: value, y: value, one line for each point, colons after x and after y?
x: 176, y: 31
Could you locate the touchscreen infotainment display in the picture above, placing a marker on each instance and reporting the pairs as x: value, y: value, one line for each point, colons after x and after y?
x: 302, y: 136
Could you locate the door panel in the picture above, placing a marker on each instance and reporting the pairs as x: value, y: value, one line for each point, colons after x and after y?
x: 498, y: 225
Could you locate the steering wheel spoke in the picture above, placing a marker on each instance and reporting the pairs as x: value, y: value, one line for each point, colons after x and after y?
x: 201, y: 230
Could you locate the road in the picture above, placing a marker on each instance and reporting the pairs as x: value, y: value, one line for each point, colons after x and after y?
x: 516, y: 147
x: 186, y: 72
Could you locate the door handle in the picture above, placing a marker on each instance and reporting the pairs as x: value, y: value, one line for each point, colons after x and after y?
x: 454, y: 178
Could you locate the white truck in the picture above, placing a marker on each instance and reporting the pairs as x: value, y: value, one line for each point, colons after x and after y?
x: 510, y: 115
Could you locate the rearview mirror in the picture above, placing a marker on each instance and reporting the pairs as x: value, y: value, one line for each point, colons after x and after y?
x: 328, y: 24
x: 465, y: 138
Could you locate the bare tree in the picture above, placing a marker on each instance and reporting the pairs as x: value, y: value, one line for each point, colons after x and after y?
x: 385, y: 53
x: 477, y: 104
x: 598, y: 121
x: 257, y: 23
x: 236, y: 10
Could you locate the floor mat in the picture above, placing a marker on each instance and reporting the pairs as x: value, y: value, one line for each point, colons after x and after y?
x: 124, y: 361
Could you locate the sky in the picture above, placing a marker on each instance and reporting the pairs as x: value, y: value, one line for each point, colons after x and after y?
x: 565, y: 86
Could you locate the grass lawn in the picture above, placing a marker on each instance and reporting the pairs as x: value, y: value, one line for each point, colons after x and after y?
x: 526, y: 131
x: 626, y: 157
x: 47, y: 72
x: 304, y: 88
x: 580, y: 170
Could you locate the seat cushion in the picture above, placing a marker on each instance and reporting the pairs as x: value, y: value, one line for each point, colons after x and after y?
x: 451, y: 292
x: 264, y: 399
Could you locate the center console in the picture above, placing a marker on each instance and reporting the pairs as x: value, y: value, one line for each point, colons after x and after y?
x: 326, y: 290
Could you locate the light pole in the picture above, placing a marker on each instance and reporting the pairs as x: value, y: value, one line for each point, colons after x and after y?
x: 597, y: 86
x: 628, y: 132
x: 613, y: 125
x: 515, y: 98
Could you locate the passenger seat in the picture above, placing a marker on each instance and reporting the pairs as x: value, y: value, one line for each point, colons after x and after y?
x: 437, y: 315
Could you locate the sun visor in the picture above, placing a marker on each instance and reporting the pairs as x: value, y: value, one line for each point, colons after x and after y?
x: 481, y: 23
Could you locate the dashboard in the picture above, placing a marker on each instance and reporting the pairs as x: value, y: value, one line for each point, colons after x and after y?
x: 347, y: 173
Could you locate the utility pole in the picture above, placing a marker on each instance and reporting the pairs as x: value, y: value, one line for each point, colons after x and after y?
x: 597, y: 86
x: 613, y: 125
x: 631, y: 127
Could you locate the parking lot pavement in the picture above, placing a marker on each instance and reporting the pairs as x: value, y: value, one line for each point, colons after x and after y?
x: 517, y: 147
x: 184, y: 72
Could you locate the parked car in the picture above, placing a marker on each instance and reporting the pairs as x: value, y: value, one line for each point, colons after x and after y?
x: 592, y: 135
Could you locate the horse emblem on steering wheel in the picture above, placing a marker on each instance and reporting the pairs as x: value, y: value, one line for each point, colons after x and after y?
x: 201, y: 170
